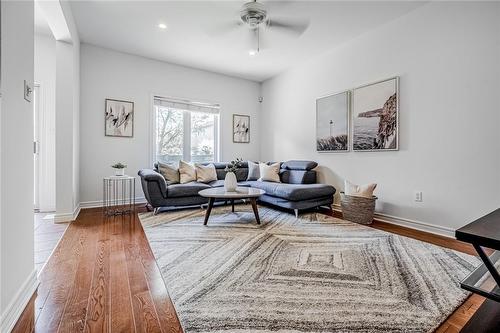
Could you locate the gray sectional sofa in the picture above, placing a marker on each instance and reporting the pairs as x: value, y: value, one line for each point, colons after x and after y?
x: 298, y: 189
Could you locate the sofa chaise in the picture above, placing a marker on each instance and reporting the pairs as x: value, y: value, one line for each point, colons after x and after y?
x: 298, y: 189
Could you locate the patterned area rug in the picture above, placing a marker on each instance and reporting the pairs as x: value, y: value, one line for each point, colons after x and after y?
x: 309, y: 274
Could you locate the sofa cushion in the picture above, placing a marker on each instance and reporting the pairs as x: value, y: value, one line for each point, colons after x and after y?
x: 187, y: 172
x: 269, y: 173
x: 185, y: 190
x: 294, y: 192
x: 170, y: 172
x: 253, y: 171
x: 205, y: 173
x: 299, y: 165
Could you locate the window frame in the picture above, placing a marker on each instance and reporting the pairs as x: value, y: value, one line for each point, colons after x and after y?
x: 186, y: 153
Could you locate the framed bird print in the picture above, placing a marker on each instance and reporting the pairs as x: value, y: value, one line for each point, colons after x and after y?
x: 241, y: 128
x: 119, y: 118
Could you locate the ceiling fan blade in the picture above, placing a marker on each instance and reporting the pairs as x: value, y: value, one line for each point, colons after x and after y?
x: 290, y: 25
x: 224, y: 27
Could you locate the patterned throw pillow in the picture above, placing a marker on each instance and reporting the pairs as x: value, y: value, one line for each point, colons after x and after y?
x: 187, y: 172
x: 269, y: 173
x: 205, y: 173
x: 365, y: 191
x: 169, y: 172
x: 253, y: 171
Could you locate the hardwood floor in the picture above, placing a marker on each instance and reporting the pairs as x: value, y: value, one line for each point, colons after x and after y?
x: 102, y: 277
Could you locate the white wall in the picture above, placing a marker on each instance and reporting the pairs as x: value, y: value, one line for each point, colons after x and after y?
x: 17, y: 271
x: 67, y: 118
x: 448, y: 58
x: 109, y: 74
x: 45, y: 75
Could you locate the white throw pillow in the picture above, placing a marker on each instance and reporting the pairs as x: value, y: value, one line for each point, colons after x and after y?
x: 169, y: 172
x: 205, y: 173
x: 187, y: 172
x: 365, y: 191
x: 269, y: 173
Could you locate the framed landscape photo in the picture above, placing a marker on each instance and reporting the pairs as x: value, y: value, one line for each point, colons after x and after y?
x: 119, y: 118
x: 241, y: 128
x: 332, y: 123
x: 375, y: 116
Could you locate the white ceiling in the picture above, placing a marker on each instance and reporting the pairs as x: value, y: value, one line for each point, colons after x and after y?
x: 131, y: 27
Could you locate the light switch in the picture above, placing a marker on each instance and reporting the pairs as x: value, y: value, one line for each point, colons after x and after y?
x: 28, y: 91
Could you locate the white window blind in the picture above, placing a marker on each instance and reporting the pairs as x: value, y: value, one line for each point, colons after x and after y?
x: 185, y: 130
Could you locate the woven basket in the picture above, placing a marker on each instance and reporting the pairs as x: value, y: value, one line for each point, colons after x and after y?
x: 357, y: 209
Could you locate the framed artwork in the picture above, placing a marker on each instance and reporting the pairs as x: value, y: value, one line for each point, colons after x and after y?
x: 119, y: 118
x: 241, y: 128
x: 375, y: 116
x: 332, y: 123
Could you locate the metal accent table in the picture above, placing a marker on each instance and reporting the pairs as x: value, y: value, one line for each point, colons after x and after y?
x: 241, y: 193
x: 484, y: 232
x: 118, y: 195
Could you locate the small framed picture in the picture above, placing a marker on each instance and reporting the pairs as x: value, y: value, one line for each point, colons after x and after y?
x: 241, y: 128
x: 332, y: 123
x: 375, y: 116
x: 119, y: 118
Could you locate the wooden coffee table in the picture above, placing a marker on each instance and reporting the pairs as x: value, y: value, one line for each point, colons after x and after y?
x: 241, y: 193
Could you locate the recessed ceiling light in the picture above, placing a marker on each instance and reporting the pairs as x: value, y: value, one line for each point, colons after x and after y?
x: 162, y: 26
x: 252, y: 53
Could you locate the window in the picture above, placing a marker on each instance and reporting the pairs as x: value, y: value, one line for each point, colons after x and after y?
x: 185, y: 131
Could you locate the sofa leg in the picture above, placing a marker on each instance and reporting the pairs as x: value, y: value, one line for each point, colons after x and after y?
x: 148, y: 207
x: 296, y: 211
x: 156, y: 211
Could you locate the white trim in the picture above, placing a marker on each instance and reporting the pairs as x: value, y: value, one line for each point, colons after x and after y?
x: 98, y: 203
x: 412, y: 224
x: 67, y: 217
x: 17, y: 305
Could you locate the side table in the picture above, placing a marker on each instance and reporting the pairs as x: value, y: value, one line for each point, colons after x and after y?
x: 118, y: 195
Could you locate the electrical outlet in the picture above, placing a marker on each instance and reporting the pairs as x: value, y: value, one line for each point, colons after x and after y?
x: 418, y: 196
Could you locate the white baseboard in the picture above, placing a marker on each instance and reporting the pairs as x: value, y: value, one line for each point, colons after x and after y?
x: 412, y: 224
x: 98, y: 203
x: 67, y: 217
x: 17, y: 305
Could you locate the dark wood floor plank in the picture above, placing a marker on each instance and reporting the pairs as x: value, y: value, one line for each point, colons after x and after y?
x: 75, y: 311
x: 98, y: 308
x: 122, y: 319
x: 58, y: 276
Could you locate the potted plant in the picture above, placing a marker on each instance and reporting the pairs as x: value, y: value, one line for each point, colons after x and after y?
x: 119, y: 169
x: 230, y: 182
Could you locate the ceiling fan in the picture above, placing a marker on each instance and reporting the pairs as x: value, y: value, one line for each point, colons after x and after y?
x: 255, y: 17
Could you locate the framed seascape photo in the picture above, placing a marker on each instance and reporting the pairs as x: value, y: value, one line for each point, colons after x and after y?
x: 241, y: 128
x: 375, y: 114
x: 332, y: 123
x: 119, y: 118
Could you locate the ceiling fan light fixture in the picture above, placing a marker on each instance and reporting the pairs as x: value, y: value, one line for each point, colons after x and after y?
x: 162, y: 26
x: 252, y: 53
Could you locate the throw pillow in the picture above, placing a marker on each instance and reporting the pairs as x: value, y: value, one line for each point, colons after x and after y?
x: 253, y: 171
x: 187, y: 172
x: 269, y: 173
x: 365, y: 191
x: 169, y: 172
x: 205, y: 173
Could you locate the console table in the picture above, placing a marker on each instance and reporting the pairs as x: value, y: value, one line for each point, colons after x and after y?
x: 484, y: 232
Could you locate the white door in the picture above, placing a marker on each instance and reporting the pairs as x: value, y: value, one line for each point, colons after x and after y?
x: 36, y: 146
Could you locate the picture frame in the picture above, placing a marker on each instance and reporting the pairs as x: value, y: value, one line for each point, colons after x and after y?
x: 332, y: 122
x: 118, y: 118
x: 375, y: 116
x: 241, y: 128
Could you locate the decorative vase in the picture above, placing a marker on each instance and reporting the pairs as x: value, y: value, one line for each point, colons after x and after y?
x: 120, y: 172
x: 230, y: 182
